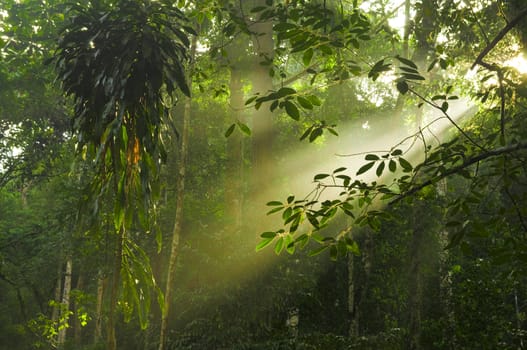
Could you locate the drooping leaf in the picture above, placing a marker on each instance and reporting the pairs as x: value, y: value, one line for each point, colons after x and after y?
x: 292, y: 110
x: 244, y: 128
x: 380, y: 169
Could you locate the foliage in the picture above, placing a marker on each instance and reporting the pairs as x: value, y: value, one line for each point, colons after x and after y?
x: 333, y: 63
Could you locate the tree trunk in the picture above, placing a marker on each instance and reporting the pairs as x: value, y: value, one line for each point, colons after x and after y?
x: 354, y: 324
x: 97, y: 336
x: 78, y: 325
x: 234, y: 168
x: 58, y: 292
x: 180, y: 193
x: 65, y: 309
x: 114, y: 291
x: 415, y: 291
x: 263, y: 136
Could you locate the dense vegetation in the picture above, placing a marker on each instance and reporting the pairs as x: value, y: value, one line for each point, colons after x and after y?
x: 263, y: 174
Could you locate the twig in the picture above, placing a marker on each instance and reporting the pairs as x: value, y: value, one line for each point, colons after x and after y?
x: 448, y: 117
x: 468, y: 162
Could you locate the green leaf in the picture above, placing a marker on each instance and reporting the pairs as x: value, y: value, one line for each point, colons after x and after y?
x: 380, y: 169
x: 402, y: 87
x: 304, y: 102
x: 333, y: 253
x: 275, y: 210
x: 371, y: 157
x: 263, y: 243
x: 306, y: 133
x: 268, y: 235
x: 412, y: 76
x: 308, y: 55
x: 273, y: 203
x: 302, y: 240
x: 315, y: 100
x: 285, y: 91
x: 318, y: 250
x: 289, y: 244
x: 284, y: 26
x: 365, y: 168
x: 292, y: 110
x: 250, y: 100
x: 406, y: 61
x: 244, y: 128
x: 392, y: 165
x: 315, y: 134
x: 230, y: 130
x: 432, y: 65
x: 339, y: 170
x: 279, y: 246
x: 405, y: 164
x: 319, y: 177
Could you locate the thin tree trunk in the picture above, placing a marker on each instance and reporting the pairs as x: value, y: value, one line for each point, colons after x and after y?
x: 98, y: 309
x: 78, y: 325
x: 354, y: 324
x: 180, y: 193
x: 58, y: 292
x: 114, y: 292
x: 263, y: 135
x: 65, y: 305
x: 234, y: 170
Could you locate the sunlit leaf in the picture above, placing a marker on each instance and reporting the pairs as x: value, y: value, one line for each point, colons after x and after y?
x: 279, y: 246
x: 263, y: 243
x: 308, y: 55
x: 304, y: 102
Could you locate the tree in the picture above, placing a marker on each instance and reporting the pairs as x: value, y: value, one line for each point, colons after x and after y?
x: 119, y: 110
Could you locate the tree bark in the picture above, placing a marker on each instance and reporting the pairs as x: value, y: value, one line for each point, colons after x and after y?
x: 65, y: 305
x: 354, y: 324
x: 97, y: 335
x: 58, y: 292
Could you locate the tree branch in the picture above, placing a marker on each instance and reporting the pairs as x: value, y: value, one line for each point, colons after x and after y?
x: 468, y: 162
x: 497, y: 39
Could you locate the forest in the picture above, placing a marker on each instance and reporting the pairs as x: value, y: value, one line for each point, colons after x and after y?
x: 263, y: 174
